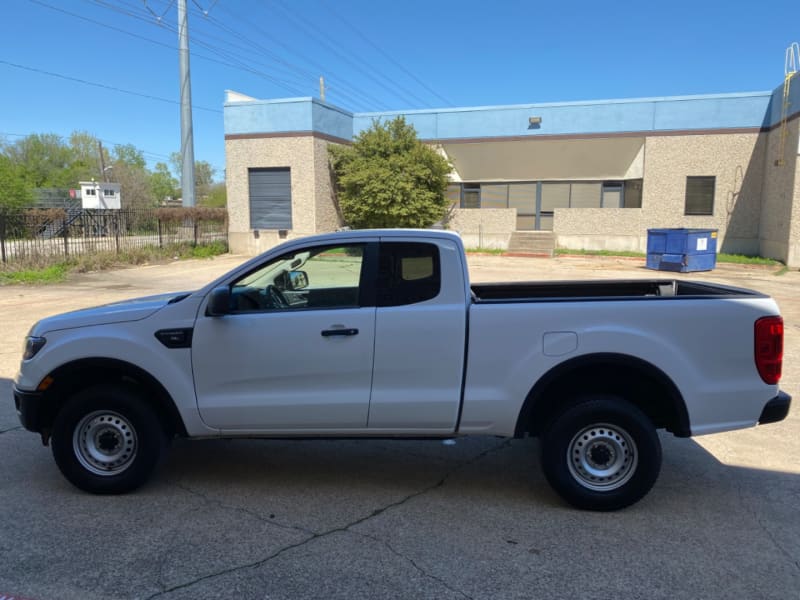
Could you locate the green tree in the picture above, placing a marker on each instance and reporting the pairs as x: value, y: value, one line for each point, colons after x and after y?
x: 135, y: 187
x: 162, y: 183
x: 129, y: 155
x: 129, y: 169
x: 44, y: 160
x: 85, y: 157
x: 14, y: 190
x: 388, y: 178
x: 203, y: 174
x: 217, y: 196
x: 203, y: 178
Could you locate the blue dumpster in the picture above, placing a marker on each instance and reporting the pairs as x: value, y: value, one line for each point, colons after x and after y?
x: 682, y: 250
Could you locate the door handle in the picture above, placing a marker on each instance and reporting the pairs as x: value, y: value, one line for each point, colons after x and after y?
x: 331, y: 332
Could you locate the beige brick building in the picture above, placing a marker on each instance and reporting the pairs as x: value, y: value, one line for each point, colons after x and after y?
x: 591, y: 175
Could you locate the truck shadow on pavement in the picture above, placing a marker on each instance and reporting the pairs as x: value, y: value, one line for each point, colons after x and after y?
x: 480, y: 468
x: 476, y: 515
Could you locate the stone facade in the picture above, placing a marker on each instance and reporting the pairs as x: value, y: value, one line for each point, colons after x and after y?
x: 312, y: 207
x: 484, y: 227
x: 736, y: 160
x: 777, y: 238
x: 600, y: 229
x: 753, y: 199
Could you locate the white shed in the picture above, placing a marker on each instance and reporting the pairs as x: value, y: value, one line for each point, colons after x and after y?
x: 100, y: 194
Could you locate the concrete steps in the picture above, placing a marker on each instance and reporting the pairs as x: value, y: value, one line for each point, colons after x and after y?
x: 532, y: 242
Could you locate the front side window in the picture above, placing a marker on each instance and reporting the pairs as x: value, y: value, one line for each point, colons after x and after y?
x: 700, y: 195
x: 321, y: 277
x: 407, y: 273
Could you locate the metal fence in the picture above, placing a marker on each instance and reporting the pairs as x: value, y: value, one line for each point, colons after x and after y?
x: 36, y: 234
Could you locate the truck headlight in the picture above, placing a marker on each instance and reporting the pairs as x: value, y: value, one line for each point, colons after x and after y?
x: 32, y: 346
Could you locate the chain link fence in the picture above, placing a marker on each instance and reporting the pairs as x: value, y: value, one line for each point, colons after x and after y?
x: 48, y: 235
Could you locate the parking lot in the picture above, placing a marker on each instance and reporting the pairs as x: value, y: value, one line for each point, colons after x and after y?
x: 394, y: 519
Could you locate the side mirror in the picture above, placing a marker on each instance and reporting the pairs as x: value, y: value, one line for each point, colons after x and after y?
x: 219, y: 302
x: 298, y: 280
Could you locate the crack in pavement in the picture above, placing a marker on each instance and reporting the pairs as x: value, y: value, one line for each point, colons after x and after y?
x: 315, y: 536
x: 764, y: 528
x: 2, y: 431
x: 240, y: 509
x: 414, y: 564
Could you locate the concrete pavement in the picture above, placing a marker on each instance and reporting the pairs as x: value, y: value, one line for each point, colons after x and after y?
x: 367, y: 519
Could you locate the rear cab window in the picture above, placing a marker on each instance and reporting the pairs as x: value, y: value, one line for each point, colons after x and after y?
x: 408, y: 273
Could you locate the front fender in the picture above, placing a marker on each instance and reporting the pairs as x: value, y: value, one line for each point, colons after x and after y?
x: 123, y: 342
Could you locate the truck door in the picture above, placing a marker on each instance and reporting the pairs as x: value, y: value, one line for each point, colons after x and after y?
x: 420, y: 330
x: 295, y: 353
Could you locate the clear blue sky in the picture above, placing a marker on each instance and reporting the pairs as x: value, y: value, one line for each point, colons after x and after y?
x: 374, y: 54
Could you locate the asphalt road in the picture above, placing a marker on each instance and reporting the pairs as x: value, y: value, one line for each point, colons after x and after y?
x: 376, y: 519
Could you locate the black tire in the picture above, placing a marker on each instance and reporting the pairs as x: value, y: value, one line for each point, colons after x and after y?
x: 601, y: 453
x: 107, y: 439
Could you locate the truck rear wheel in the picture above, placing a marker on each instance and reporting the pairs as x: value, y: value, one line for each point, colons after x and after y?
x: 107, y: 439
x: 601, y: 453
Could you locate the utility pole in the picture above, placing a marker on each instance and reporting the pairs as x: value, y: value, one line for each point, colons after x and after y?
x: 187, y: 137
x: 322, y: 88
x: 102, y: 161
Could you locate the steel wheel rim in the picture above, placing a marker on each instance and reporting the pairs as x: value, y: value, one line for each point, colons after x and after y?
x: 602, y: 457
x: 105, y: 443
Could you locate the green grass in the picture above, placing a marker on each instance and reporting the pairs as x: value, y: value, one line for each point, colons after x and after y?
x: 782, y: 271
x: 742, y: 259
x: 42, y: 273
x: 497, y: 251
x: 51, y: 274
x: 628, y: 253
x: 739, y: 259
x: 203, y: 251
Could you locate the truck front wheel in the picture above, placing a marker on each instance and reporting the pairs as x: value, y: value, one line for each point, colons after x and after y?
x: 107, y: 439
x: 601, y: 453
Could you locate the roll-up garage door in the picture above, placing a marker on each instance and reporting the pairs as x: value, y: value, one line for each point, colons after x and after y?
x: 270, y: 199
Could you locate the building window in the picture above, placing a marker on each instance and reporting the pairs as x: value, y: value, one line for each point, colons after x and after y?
x: 700, y: 195
x: 471, y: 196
x: 108, y: 192
x: 612, y: 194
x: 453, y: 194
x: 90, y: 192
x: 632, y: 194
x: 270, y: 198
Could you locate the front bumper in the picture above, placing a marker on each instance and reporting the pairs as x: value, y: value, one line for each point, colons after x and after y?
x: 30, y: 409
x: 776, y: 409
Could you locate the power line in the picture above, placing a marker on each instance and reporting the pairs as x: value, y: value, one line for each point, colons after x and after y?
x: 304, y: 76
x: 144, y: 38
x: 342, y: 83
x: 311, y: 28
x: 140, y: 14
x: 130, y: 33
x: 101, y: 85
x: 385, y: 54
x: 239, y: 64
x: 217, y: 23
x: 304, y: 73
x: 155, y: 14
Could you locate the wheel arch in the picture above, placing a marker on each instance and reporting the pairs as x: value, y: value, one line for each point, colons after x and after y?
x: 639, y: 381
x: 83, y: 373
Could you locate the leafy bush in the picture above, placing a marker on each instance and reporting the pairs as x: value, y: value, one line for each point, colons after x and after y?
x: 388, y: 178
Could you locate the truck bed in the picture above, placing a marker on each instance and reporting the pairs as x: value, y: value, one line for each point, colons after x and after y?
x: 601, y: 289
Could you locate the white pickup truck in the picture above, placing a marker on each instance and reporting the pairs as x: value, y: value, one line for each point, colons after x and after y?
x: 366, y: 334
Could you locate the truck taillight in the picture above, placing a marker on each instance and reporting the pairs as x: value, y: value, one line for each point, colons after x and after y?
x: 769, y: 348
